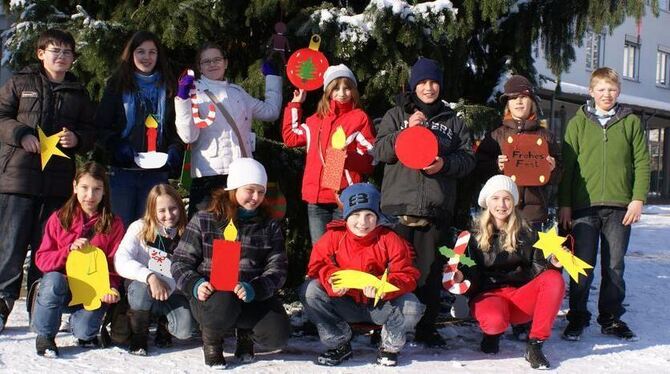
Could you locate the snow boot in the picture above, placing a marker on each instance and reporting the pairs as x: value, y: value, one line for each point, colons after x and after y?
x: 46, y: 346
x: 4, y: 314
x: 535, y: 356
x: 163, y: 337
x: 386, y: 358
x: 490, y: 344
x: 577, y: 322
x: 244, y: 349
x: 212, y: 347
x: 139, y: 327
x: 335, y: 356
x: 618, y: 329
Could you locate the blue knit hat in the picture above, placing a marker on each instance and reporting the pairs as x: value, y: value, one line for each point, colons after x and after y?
x: 424, y: 68
x: 360, y: 196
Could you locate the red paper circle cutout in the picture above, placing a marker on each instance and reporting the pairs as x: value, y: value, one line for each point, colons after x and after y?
x: 305, y: 68
x: 416, y: 147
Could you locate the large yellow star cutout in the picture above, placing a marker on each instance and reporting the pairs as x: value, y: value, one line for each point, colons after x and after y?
x: 48, y: 146
x: 552, y: 244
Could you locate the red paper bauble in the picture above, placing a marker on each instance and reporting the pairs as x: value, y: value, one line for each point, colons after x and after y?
x: 306, y: 66
x: 416, y: 147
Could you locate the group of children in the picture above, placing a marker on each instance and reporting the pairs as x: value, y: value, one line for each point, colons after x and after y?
x: 394, y: 235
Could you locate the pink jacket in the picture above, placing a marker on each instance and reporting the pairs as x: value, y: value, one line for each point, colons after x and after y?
x: 56, y: 241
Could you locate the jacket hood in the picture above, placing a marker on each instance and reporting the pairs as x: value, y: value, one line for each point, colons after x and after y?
x: 588, y: 111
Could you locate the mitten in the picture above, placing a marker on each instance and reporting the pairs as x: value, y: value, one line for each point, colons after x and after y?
x: 124, y: 153
x: 184, y: 86
x: 269, y: 68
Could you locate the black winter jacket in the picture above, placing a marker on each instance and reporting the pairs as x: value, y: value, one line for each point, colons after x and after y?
x: 413, y: 192
x: 29, y: 100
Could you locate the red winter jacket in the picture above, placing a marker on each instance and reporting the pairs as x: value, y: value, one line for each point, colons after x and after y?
x: 316, y: 134
x: 56, y: 241
x: 339, y: 249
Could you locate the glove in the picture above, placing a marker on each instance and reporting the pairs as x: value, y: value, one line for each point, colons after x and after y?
x: 184, y: 86
x: 249, y: 290
x: 124, y: 153
x: 269, y: 68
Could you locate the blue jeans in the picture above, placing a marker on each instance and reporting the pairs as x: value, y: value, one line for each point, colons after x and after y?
x: 319, y: 215
x: 52, y: 299
x: 332, y: 314
x: 129, y: 190
x: 22, y: 219
x: 589, y: 227
x: 175, y: 308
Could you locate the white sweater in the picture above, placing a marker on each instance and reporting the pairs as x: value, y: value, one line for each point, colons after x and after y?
x: 213, y: 148
x: 132, y: 257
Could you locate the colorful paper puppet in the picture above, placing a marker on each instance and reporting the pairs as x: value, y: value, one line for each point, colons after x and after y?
x: 160, y: 262
x: 336, y: 154
x: 552, y: 244
x: 49, y: 146
x: 359, y: 280
x: 225, y: 271
x: 306, y: 66
x: 456, y: 256
x: 88, y: 277
x: 527, y: 163
x: 416, y: 147
x: 278, y: 43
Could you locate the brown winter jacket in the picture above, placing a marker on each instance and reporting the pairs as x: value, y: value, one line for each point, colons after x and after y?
x: 533, y: 201
x: 29, y: 100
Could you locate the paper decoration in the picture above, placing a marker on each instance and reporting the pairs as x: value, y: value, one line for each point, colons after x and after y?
x: 200, y: 122
x: 336, y: 155
x: 306, y: 66
x: 416, y: 147
x: 48, y: 146
x: 226, y: 260
x: 151, y: 160
x: 159, y: 262
x: 358, y: 280
x: 552, y: 244
x: 152, y: 132
x: 527, y: 163
x: 88, y: 277
x: 456, y: 256
x: 278, y: 43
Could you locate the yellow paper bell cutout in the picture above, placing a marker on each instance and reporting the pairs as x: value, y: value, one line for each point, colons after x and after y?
x: 339, y: 138
x: 358, y: 280
x: 88, y: 277
x: 552, y: 244
x: 48, y: 146
x: 230, y: 232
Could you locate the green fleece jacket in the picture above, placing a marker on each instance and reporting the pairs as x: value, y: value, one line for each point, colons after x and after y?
x: 604, y: 165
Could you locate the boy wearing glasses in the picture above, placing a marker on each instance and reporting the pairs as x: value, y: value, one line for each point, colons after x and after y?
x: 47, y: 96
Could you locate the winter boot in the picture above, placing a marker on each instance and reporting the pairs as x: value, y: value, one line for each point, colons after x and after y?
x: 46, y: 346
x: 335, y: 356
x: 386, y: 358
x: 577, y: 322
x: 618, y: 329
x: 4, y: 314
x: 139, y: 327
x: 490, y: 344
x: 244, y: 349
x: 163, y: 337
x: 212, y: 347
x: 535, y: 356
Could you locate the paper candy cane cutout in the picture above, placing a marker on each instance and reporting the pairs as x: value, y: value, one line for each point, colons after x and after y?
x: 451, y: 267
x: 195, y: 109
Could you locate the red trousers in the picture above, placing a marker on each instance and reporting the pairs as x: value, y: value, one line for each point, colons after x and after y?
x: 538, y: 300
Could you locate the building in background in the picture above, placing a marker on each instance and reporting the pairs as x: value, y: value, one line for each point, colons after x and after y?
x: 639, y: 50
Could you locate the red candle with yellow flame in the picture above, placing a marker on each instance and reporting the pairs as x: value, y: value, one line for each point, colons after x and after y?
x: 224, y: 275
x: 334, y: 161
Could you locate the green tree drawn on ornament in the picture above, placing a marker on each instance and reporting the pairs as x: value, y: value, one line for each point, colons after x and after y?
x: 306, y: 70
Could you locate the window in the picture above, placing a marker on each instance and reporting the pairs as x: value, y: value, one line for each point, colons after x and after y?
x: 662, y: 59
x: 631, y: 57
x: 593, y: 41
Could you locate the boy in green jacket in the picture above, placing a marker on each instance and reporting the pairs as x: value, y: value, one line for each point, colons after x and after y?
x: 603, y: 189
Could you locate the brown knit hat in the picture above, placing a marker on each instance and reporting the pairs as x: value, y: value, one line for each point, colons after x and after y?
x: 517, y: 85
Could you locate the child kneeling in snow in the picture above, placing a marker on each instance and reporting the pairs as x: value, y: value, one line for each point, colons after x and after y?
x: 359, y: 243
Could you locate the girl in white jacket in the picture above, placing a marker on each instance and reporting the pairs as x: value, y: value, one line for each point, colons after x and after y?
x: 200, y: 122
x: 143, y: 258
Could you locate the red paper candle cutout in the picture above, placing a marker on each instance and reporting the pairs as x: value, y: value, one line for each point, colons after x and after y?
x: 152, y: 125
x: 306, y: 66
x: 527, y: 161
x: 334, y: 161
x: 224, y: 275
x: 416, y: 147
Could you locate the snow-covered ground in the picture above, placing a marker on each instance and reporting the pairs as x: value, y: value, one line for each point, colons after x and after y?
x: 648, y: 284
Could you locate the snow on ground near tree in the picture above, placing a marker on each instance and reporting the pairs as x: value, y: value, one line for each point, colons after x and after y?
x: 648, y: 284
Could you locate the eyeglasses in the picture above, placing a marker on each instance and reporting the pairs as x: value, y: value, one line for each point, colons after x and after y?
x: 61, y: 52
x: 212, y: 61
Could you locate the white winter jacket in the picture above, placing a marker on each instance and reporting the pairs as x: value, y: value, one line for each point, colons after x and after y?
x: 213, y: 148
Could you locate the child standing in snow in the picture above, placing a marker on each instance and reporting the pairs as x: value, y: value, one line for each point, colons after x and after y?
x: 253, y: 308
x: 359, y: 243
x: 85, y: 219
x: 339, y: 107
x: 150, y: 286
x: 512, y: 282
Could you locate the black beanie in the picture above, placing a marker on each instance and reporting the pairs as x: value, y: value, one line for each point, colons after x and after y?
x: 424, y: 68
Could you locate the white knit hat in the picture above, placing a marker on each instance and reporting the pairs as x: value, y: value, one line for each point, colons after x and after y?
x: 245, y: 171
x: 337, y: 71
x: 498, y: 183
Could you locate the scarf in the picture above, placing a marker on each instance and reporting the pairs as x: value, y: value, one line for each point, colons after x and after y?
x: 150, y: 93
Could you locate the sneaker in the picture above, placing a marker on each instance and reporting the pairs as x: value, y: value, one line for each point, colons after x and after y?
x: 385, y: 358
x: 214, y: 356
x: 619, y: 329
x: 573, y: 332
x: 336, y: 356
x: 490, y: 344
x: 46, y: 346
x: 431, y: 338
x: 244, y: 349
x: 91, y: 343
x: 535, y: 356
x: 520, y: 332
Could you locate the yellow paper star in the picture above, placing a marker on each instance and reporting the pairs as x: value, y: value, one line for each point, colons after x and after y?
x: 552, y: 244
x: 48, y: 146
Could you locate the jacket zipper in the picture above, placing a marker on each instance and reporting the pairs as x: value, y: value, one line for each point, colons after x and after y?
x: 604, y: 163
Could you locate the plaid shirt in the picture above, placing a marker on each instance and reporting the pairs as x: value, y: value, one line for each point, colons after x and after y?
x: 263, y: 261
